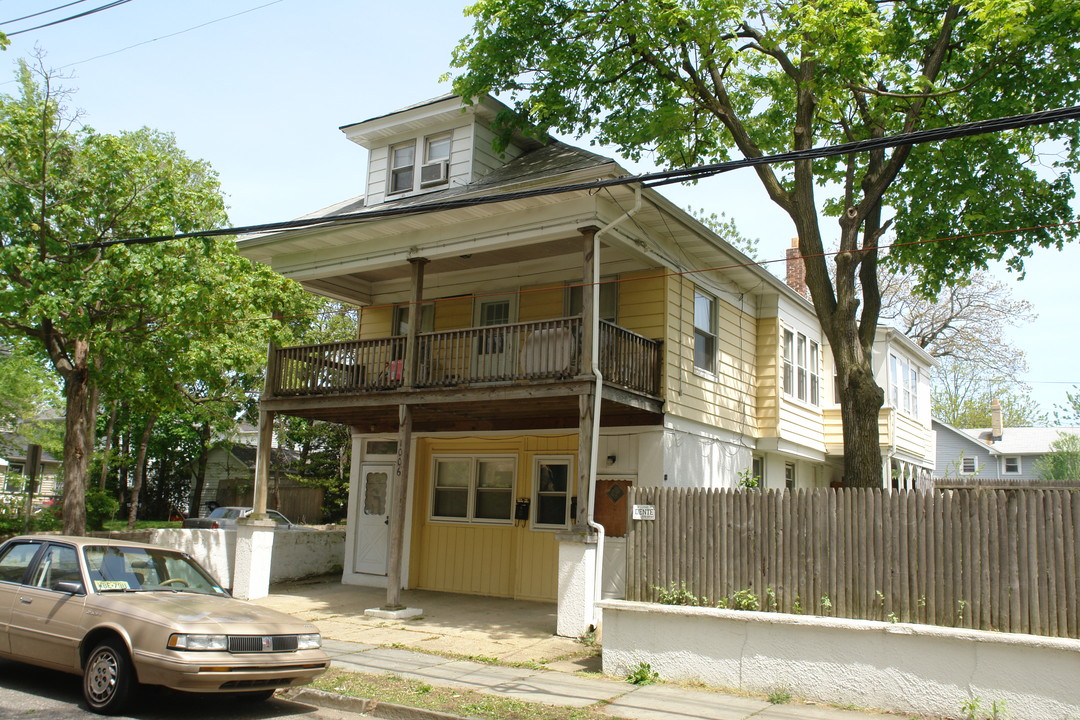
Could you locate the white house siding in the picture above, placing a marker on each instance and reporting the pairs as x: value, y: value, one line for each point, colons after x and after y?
x: 484, y: 158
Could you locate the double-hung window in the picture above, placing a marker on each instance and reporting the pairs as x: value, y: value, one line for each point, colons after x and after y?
x: 477, y: 489
x: 1011, y: 465
x: 402, y: 167
x: 704, y: 331
x: 553, y: 482
x: 904, y: 384
x: 967, y: 465
x: 801, y: 367
x: 436, y: 160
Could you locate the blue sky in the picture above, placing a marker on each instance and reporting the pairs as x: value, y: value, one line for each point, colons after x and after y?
x: 261, y: 95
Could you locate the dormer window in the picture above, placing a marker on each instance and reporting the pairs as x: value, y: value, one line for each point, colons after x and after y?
x: 434, y: 166
x: 402, y: 164
x: 436, y: 160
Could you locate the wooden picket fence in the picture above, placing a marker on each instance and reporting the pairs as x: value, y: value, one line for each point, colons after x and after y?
x: 1006, y: 560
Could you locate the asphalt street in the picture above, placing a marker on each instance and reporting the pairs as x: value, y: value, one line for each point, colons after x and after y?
x: 30, y: 693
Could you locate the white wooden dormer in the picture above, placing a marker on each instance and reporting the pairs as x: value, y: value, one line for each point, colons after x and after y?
x: 436, y: 145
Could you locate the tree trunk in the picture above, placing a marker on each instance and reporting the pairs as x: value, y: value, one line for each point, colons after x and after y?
x: 200, y: 470
x: 77, y: 438
x: 860, y: 406
x: 140, y: 471
x: 108, y: 447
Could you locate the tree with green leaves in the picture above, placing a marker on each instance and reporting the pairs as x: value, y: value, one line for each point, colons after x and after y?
x: 1063, y: 460
x: 135, y: 320
x: 695, y: 81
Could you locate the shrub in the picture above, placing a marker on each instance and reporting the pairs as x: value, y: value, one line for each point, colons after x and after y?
x: 100, y: 506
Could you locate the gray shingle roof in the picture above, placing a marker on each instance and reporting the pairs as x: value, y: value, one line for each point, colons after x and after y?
x: 1022, y: 440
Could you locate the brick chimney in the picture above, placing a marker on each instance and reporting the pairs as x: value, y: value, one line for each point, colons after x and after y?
x: 997, y: 428
x: 796, y: 270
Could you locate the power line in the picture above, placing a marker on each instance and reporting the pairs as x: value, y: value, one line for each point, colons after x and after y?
x: 98, y: 9
x: 43, y: 12
x: 172, y: 34
x: 654, y: 179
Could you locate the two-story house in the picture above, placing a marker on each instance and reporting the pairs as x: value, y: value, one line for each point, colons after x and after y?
x: 523, y: 356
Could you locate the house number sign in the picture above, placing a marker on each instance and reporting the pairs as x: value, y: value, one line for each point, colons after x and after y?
x: 643, y: 512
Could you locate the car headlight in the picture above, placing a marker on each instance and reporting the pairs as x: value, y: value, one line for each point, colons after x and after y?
x: 183, y: 641
x: 312, y: 641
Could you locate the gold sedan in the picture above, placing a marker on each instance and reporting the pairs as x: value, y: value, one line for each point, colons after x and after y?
x: 123, y: 614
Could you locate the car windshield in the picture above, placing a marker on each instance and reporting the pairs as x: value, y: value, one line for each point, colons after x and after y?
x: 227, y: 512
x: 115, y: 568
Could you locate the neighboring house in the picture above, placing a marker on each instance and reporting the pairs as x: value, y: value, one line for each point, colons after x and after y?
x: 997, y: 455
x: 485, y: 328
x: 230, y: 479
x: 13, y: 448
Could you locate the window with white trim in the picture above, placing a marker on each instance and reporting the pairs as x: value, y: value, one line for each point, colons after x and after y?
x: 789, y: 476
x: 904, y: 384
x: 478, y: 489
x: 1011, y: 465
x: 436, y: 167
x: 801, y: 367
x: 967, y: 465
x: 789, y: 362
x: 402, y: 167
x: 704, y: 331
x: 552, y: 482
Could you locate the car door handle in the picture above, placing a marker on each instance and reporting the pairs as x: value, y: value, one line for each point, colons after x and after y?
x: 26, y: 600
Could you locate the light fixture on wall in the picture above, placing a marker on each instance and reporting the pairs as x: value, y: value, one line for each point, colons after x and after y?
x: 610, y: 459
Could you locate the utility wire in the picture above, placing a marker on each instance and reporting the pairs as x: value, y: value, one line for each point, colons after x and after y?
x: 43, y: 12
x: 654, y: 179
x: 172, y: 34
x: 71, y: 17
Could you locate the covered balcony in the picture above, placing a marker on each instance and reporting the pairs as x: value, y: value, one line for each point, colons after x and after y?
x: 508, y: 376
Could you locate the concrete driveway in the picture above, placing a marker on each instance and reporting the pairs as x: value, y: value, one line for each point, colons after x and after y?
x: 511, y: 631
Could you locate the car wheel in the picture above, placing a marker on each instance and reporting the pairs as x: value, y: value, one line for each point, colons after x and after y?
x: 258, y: 696
x: 108, y: 679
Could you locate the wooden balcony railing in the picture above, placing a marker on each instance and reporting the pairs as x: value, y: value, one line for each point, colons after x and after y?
x: 549, y: 350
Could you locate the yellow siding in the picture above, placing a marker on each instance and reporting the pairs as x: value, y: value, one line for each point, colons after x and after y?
x: 727, y: 400
x: 498, y: 560
x: 910, y: 435
x: 541, y: 302
x: 768, y: 377
x: 375, y: 321
x: 453, y: 313
x: 641, y: 302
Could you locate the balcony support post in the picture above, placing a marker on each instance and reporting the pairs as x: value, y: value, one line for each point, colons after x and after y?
x: 586, y: 401
x: 397, y: 510
x: 416, y: 296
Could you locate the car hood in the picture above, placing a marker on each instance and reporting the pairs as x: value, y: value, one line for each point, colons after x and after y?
x: 194, y: 612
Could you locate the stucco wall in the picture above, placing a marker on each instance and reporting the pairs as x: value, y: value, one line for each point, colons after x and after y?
x: 297, y: 553
x: 895, y: 667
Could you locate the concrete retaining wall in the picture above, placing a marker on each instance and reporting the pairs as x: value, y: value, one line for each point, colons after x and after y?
x: 895, y: 667
x: 297, y: 553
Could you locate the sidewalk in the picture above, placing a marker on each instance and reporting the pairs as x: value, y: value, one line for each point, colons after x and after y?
x: 508, y: 631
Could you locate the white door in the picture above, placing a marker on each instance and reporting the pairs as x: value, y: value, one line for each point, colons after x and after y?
x: 372, y: 518
x: 493, y: 356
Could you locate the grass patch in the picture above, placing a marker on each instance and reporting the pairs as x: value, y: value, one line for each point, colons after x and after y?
x: 415, y: 693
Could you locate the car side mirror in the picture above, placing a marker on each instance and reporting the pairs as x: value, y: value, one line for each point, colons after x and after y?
x: 71, y: 587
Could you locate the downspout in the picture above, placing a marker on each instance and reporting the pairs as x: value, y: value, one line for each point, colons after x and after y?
x: 598, y: 577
